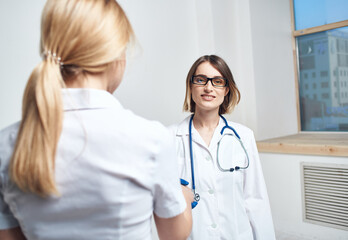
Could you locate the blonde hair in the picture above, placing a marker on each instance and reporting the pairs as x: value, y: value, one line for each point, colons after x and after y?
x: 77, y: 36
x: 233, y: 96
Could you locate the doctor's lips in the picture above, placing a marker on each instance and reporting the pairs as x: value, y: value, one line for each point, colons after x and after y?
x: 207, y: 97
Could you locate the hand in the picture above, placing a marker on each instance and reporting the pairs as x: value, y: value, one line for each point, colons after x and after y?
x: 188, y: 194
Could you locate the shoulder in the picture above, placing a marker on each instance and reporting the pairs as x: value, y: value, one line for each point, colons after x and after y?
x: 144, y: 126
x: 8, y: 137
x: 180, y: 128
x: 141, y: 132
x: 243, y: 131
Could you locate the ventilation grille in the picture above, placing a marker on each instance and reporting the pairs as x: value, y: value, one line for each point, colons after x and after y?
x: 325, y: 194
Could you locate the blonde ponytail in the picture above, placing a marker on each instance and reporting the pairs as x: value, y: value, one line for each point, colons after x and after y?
x: 88, y: 36
x: 32, y: 166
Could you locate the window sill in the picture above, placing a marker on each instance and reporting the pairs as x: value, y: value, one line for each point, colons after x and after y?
x: 325, y: 144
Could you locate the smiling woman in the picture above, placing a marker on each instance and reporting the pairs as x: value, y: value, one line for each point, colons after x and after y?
x: 220, y: 159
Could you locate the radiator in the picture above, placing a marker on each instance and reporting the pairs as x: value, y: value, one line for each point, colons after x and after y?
x: 325, y: 194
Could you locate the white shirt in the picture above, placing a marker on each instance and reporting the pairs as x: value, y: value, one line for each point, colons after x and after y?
x: 233, y: 205
x: 113, y: 169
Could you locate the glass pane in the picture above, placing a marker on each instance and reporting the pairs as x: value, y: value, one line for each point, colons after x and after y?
x: 312, y: 13
x: 323, y: 80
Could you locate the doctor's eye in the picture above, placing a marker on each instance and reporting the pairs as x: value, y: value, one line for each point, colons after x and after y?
x: 201, y: 80
x: 219, y: 82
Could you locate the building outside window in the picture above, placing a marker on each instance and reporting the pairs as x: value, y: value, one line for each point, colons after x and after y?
x: 321, y: 34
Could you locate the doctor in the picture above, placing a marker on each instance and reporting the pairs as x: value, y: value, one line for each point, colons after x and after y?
x: 220, y: 159
x: 79, y: 165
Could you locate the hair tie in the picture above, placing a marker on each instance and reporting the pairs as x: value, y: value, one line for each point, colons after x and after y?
x: 53, y: 56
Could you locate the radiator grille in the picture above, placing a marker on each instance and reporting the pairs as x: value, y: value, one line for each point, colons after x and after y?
x: 325, y: 194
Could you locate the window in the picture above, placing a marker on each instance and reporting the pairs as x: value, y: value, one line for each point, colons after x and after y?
x: 315, y: 13
x: 323, y: 74
x: 325, y: 95
x: 320, y: 32
x: 324, y: 84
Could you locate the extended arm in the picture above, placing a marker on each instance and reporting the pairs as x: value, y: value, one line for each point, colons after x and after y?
x: 178, y: 227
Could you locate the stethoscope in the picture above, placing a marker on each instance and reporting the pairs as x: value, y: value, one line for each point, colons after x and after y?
x: 196, y: 195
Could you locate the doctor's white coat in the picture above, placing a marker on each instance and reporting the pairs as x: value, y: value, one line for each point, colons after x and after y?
x: 233, y: 205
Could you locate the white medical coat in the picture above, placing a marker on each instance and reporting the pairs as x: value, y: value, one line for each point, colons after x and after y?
x: 233, y: 205
x: 113, y: 169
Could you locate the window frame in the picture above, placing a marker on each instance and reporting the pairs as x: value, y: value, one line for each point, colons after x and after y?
x: 322, y: 143
x: 303, y: 32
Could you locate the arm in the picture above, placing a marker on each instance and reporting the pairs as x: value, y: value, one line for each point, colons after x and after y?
x: 9, y: 227
x: 178, y: 227
x: 12, y: 234
x: 172, y: 202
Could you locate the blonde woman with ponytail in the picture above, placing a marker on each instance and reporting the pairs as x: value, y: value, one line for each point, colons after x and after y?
x: 78, y: 165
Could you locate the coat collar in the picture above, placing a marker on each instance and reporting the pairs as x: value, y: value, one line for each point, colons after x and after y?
x: 83, y: 99
x: 183, y: 127
x: 183, y: 131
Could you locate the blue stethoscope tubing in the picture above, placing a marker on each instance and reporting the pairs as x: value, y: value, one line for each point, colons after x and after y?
x: 196, y: 195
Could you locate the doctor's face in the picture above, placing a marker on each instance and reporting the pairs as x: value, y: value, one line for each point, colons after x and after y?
x: 208, y: 97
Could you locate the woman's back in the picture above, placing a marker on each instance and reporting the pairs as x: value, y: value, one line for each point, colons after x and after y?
x: 79, y: 166
x: 113, y: 169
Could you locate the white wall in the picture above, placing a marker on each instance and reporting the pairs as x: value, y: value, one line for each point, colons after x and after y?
x: 154, y: 83
x: 283, y: 178
x: 273, y: 68
x: 19, y: 53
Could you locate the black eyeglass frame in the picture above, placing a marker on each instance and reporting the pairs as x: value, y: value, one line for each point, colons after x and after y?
x: 209, y: 79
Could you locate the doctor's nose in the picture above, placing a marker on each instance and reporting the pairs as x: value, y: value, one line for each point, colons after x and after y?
x: 208, y: 87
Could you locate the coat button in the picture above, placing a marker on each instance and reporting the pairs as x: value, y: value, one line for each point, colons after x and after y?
x: 207, y: 158
x: 213, y: 225
x: 211, y: 191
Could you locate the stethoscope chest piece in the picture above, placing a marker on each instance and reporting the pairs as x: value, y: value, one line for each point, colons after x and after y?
x: 197, y: 197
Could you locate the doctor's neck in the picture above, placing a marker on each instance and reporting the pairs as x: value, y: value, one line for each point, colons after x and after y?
x: 206, y: 119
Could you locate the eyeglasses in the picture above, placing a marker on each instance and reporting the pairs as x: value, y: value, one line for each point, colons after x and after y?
x: 203, y: 80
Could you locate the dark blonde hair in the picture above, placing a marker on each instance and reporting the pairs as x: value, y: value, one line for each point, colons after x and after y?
x: 77, y: 36
x: 233, y: 96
